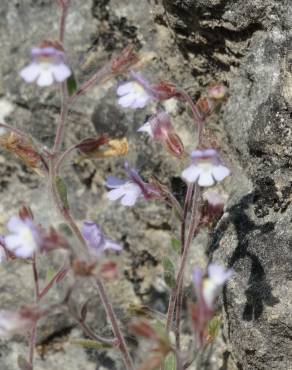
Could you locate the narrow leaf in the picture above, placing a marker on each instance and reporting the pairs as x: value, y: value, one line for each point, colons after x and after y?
x: 169, y: 272
x: 88, y: 343
x: 213, y: 328
x: 170, y: 362
x: 62, y: 190
x: 71, y: 85
x: 176, y: 245
x: 50, y: 273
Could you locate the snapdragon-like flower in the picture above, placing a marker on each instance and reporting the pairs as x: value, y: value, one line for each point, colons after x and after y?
x: 47, y: 65
x: 159, y: 128
x: 24, y: 238
x: 96, y: 240
x: 13, y: 322
x: 133, y: 95
x: 207, y: 289
x: 130, y: 190
x: 206, y: 168
x: 138, y: 93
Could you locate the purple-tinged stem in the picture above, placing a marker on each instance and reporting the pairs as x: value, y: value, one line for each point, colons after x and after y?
x: 13, y: 129
x: 180, y: 295
x: 90, y: 333
x: 101, y: 75
x: 115, y: 326
x: 63, y: 118
x: 62, y: 24
x: 194, y: 220
x: 32, y: 338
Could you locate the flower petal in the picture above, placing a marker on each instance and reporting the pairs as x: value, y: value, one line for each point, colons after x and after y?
x: 30, y: 73
x: 45, y: 78
x: 14, y: 224
x: 110, y: 244
x: 146, y: 128
x: 116, y: 193
x: 220, y: 172
x: 114, y: 182
x: 127, y: 100
x: 191, y: 173
x: 61, y: 72
x: 125, y: 88
x: 140, y: 101
x: 131, y: 196
x: 218, y: 274
x: 206, y: 179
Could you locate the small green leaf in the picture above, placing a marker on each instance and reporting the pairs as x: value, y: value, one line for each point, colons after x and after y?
x: 71, y: 85
x: 62, y: 190
x: 170, y: 362
x: 176, y: 245
x: 169, y: 272
x: 50, y: 273
x: 88, y: 343
x: 213, y: 327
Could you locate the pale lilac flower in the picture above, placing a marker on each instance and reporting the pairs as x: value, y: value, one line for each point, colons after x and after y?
x: 159, y: 128
x: 96, y: 240
x: 133, y: 95
x: 13, y: 322
x: 206, y: 168
x: 138, y: 93
x: 24, y: 238
x: 47, y: 65
x: 3, y: 256
x: 208, y: 288
x: 130, y: 190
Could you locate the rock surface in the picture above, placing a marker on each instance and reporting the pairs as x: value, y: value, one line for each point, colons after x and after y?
x: 247, y: 44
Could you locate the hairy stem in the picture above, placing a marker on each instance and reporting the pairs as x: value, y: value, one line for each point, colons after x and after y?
x: 194, y: 220
x: 32, y: 337
x: 62, y: 24
x: 63, y: 118
x: 115, y: 326
x: 180, y: 295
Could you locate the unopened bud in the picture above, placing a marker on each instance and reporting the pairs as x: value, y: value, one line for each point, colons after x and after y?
x: 174, y: 145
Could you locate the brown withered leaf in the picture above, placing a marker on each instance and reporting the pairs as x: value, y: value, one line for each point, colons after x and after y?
x: 143, y: 329
x: 90, y: 145
x: 111, y: 148
x: 24, y: 149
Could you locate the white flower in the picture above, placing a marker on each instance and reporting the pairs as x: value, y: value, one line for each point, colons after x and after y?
x: 127, y: 191
x: 133, y: 95
x: 24, y: 239
x: 206, y: 168
x: 217, y: 276
x: 46, y: 67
